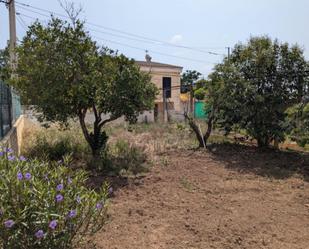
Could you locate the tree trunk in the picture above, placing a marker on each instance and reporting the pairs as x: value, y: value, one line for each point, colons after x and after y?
x: 263, y: 142
x: 96, y: 140
x: 202, y: 140
x: 209, y: 127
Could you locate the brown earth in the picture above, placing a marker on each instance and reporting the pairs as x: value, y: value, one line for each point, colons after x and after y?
x: 230, y: 197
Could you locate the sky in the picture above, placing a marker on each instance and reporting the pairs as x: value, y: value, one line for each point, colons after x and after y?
x: 194, y: 34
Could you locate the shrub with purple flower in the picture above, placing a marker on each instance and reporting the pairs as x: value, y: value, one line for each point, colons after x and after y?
x: 72, y: 213
x: 53, y: 224
x: 59, y: 187
x: 54, y: 210
x: 9, y: 223
x: 9, y: 150
x: 19, y: 176
x: 28, y: 176
x: 59, y: 197
x: 39, y: 234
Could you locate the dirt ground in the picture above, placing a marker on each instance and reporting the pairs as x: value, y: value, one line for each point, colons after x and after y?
x: 229, y: 197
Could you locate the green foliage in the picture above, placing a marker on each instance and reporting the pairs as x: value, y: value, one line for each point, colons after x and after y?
x: 298, y: 123
x: 46, y: 206
x: 256, y: 85
x: 65, y: 74
x: 188, y: 78
x: 200, y: 93
x: 4, y: 64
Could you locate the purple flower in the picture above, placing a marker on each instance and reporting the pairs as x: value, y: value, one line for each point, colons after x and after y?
x: 22, y: 158
x: 39, y: 234
x: 110, y: 190
x: 19, y: 176
x: 9, y: 150
x: 70, y: 180
x: 53, y: 224
x: 59, y: 162
x: 99, y: 206
x: 59, y: 187
x: 72, y: 213
x: 9, y: 223
x: 28, y: 176
x: 78, y: 199
x: 59, y: 198
x: 1, y: 153
x: 11, y: 158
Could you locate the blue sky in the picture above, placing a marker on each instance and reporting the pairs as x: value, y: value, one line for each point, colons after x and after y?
x: 204, y: 25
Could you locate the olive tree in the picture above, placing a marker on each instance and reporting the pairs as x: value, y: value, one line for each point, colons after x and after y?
x: 64, y: 74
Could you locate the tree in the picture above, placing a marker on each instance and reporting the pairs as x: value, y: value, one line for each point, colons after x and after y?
x: 219, y: 93
x: 188, y: 78
x: 199, y: 89
x: 269, y: 78
x: 65, y: 74
x: 298, y: 123
x: 253, y: 89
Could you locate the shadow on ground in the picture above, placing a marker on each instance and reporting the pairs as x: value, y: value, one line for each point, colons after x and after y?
x: 269, y: 163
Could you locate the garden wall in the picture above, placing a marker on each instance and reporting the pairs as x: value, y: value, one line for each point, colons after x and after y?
x: 14, y: 138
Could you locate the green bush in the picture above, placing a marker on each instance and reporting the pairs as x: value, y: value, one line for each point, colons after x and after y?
x: 46, y: 206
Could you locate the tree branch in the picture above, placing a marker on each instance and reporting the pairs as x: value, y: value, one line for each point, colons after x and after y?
x: 96, y: 114
x: 81, y: 116
x: 104, y: 122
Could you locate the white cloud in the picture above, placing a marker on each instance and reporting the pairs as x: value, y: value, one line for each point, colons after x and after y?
x: 176, y: 39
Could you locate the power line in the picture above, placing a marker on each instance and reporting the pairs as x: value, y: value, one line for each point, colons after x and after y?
x: 140, y: 37
x: 137, y: 48
x: 154, y: 52
x: 21, y: 22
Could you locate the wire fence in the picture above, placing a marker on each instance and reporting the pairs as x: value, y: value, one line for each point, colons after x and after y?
x: 10, y: 108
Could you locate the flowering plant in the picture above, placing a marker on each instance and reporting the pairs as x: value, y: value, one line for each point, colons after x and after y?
x: 46, y: 206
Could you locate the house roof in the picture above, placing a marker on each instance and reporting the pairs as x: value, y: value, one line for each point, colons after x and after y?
x: 156, y: 64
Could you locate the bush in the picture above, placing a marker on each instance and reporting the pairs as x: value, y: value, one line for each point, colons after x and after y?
x: 46, y: 206
x: 125, y: 158
x: 53, y: 144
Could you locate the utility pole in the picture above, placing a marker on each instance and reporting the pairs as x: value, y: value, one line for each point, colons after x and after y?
x: 191, y: 99
x: 228, y: 53
x: 13, y: 37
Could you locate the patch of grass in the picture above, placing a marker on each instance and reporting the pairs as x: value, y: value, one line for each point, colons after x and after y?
x: 187, y: 185
x: 124, y: 158
x: 164, y: 162
x: 53, y: 144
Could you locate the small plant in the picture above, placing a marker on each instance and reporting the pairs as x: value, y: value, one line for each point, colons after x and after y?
x: 45, y: 206
x: 185, y: 183
x: 125, y: 158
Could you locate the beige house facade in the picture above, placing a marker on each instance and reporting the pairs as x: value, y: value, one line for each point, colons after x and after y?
x: 166, y: 77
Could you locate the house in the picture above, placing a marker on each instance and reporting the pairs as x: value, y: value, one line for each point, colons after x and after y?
x: 166, y: 77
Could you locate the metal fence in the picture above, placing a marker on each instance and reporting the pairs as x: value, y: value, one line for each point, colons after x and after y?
x: 10, y: 108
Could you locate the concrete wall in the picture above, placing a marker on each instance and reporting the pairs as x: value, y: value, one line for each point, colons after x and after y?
x: 157, y: 74
x: 14, y: 138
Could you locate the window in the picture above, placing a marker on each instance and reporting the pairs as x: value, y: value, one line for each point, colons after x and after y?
x: 167, y: 87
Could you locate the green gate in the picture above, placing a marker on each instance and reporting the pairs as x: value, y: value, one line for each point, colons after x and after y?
x: 200, y: 110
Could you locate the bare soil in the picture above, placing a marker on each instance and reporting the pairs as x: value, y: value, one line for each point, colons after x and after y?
x: 229, y: 197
